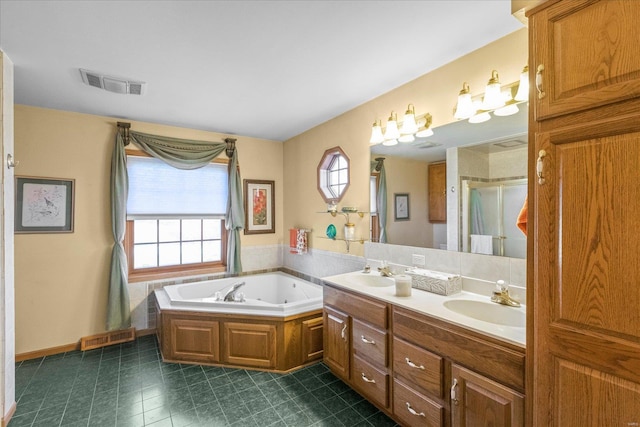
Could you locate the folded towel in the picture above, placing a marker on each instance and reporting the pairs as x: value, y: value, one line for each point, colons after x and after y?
x: 521, y: 222
x: 481, y: 244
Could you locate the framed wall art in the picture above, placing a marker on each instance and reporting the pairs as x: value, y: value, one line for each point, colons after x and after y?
x: 401, y: 206
x: 44, y: 205
x: 259, y: 207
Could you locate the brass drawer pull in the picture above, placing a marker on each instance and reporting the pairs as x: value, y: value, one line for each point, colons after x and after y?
x: 366, y: 341
x: 342, y: 333
x: 413, y: 411
x: 413, y: 365
x: 367, y: 380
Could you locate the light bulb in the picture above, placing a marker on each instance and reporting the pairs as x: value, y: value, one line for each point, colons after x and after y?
x: 424, y: 133
x: 480, y: 118
x: 507, y: 110
x: 390, y: 142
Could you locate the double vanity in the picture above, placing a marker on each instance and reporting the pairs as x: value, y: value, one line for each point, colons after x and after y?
x: 426, y: 359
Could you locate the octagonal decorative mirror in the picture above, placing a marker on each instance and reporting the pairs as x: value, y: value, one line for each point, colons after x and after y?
x: 333, y: 175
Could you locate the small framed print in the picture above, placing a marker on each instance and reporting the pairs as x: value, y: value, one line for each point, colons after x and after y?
x: 44, y: 205
x: 401, y: 206
x: 259, y: 207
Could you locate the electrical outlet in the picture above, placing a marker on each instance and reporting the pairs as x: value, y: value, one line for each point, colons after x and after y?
x: 417, y: 259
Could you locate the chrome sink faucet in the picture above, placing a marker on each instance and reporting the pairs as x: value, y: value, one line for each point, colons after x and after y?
x: 502, y: 296
x: 231, y: 293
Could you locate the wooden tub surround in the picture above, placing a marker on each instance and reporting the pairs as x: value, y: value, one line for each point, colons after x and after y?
x: 275, y: 344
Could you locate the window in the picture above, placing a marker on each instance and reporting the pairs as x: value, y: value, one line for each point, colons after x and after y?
x: 333, y: 175
x: 175, y: 218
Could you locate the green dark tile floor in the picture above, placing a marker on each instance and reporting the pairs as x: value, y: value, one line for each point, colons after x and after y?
x: 128, y: 385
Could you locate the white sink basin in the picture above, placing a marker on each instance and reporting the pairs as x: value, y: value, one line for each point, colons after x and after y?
x: 488, y: 312
x: 373, y: 279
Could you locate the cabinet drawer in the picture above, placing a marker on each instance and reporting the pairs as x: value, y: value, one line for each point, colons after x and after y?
x: 419, y: 368
x: 371, y: 381
x: 482, y: 354
x: 369, y: 343
x: 413, y: 409
x: 375, y: 312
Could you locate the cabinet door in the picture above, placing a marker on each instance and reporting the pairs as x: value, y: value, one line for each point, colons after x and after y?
x: 479, y: 401
x: 438, y: 192
x: 586, y: 342
x: 337, y: 341
x: 585, y: 55
x: 250, y: 344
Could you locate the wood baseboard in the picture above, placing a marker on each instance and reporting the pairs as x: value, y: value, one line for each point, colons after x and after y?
x: 71, y: 347
x: 47, y: 352
x: 7, y: 417
x: 145, y: 332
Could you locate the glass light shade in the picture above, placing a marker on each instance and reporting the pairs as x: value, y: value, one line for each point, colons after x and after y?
x: 391, y: 131
x: 507, y: 110
x: 407, y: 138
x: 493, y: 95
x: 390, y: 142
x: 376, y: 133
x: 409, y: 125
x: 424, y: 133
x: 464, y: 107
x: 480, y: 118
x: 523, y: 87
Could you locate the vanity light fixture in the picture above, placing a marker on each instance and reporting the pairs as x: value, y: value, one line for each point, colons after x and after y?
x: 421, y: 128
x: 464, y: 107
x: 376, y: 133
x: 523, y: 87
x: 409, y: 126
x: 391, y: 131
x: 497, y: 100
x: 492, y: 94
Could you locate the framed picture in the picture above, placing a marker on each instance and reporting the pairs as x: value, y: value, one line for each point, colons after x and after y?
x: 401, y: 206
x: 44, y: 205
x: 259, y: 207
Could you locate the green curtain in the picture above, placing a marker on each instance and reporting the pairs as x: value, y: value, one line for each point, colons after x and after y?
x: 181, y: 154
x: 381, y: 199
x: 234, y: 220
x: 118, y: 311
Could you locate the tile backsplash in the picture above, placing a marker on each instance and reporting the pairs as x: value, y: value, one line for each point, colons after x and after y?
x: 479, y: 272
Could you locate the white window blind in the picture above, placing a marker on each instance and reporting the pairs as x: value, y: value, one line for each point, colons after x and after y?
x: 159, y: 190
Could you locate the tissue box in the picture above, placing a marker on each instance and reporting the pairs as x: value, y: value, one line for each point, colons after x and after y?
x: 434, y: 281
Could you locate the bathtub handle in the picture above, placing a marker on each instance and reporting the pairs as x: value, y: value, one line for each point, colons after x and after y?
x: 366, y: 341
x: 342, y: 333
x: 367, y: 380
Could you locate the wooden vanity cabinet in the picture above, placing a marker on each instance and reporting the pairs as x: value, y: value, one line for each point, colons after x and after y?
x: 582, y: 263
x: 470, y: 379
x: 437, y: 186
x: 356, y: 343
x: 407, y: 363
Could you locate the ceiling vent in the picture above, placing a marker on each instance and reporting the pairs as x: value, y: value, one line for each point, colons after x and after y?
x: 112, y: 84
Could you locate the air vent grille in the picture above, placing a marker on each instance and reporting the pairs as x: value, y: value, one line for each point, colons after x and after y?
x: 112, y: 84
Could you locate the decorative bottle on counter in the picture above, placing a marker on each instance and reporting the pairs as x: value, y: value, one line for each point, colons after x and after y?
x: 349, y: 231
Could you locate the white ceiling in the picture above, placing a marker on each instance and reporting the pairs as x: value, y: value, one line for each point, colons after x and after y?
x: 267, y: 69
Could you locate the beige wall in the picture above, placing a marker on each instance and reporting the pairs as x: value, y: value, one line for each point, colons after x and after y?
x: 61, y: 279
x: 409, y: 176
x: 435, y: 92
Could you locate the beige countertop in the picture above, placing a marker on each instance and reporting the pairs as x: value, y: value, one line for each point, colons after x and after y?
x: 434, y: 305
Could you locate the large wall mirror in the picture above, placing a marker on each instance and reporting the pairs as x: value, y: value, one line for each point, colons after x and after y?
x: 486, y: 182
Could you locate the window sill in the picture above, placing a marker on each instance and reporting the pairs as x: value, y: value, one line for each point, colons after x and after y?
x: 146, y: 276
